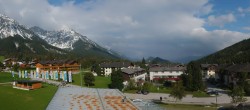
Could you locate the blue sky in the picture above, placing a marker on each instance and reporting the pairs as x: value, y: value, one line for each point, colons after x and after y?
x: 171, y: 29
x: 223, y: 7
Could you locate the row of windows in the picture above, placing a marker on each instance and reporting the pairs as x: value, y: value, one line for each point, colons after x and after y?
x: 165, y: 77
x: 168, y: 71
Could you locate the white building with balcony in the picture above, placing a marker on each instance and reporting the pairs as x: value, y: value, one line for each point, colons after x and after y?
x: 170, y: 73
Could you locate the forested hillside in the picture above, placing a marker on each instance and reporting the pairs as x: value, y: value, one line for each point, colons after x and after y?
x: 237, y: 53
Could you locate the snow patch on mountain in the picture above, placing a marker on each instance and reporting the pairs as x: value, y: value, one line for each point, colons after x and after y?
x: 45, y: 48
x: 9, y: 27
x: 32, y: 49
x: 17, y: 44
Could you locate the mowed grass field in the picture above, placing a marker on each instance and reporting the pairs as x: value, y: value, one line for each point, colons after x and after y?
x: 15, y: 99
x: 100, y: 81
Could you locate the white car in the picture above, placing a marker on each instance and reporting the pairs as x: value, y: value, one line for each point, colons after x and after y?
x: 137, y: 100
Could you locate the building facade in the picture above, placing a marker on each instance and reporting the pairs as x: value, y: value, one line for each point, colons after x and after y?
x: 170, y: 73
x: 58, y: 65
x: 209, y: 70
x: 107, y: 68
x: 134, y: 73
x: 231, y: 73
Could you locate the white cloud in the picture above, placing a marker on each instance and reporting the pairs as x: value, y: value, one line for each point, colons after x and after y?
x: 221, y: 20
x: 246, y: 28
x: 135, y: 28
x: 242, y: 10
x: 206, y: 9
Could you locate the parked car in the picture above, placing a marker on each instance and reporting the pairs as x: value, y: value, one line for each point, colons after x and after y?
x: 213, y: 93
x: 142, y: 92
x: 137, y: 100
x: 139, y: 92
x: 145, y: 92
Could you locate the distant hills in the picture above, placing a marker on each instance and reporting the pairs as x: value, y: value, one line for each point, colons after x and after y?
x: 18, y: 41
x: 237, y: 53
x: 157, y: 60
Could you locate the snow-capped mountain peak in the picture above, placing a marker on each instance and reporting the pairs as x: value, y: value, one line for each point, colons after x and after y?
x: 36, y: 41
x: 9, y: 27
x: 67, y: 38
x: 64, y: 38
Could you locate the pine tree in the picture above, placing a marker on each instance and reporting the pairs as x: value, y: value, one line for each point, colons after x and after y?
x: 89, y: 79
x: 143, y: 61
x: 117, y: 80
x: 194, y: 77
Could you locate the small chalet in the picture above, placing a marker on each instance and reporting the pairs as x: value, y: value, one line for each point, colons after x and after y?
x: 170, y: 73
x: 58, y: 65
x: 209, y: 70
x: 108, y: 67
x: 27, y: 84
x: 135, y: 73
x: 10, y: 61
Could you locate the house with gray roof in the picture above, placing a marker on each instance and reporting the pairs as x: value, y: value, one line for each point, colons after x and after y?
x: 209, y: 70
x: 134, y: 73
x: 108, y: 67
x: 232, y: 72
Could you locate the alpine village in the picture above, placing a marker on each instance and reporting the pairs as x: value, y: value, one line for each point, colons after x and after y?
x: 64, y: 70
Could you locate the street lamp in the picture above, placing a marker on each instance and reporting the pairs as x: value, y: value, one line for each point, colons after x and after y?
x: 81, y: 74
x: 216, y: 94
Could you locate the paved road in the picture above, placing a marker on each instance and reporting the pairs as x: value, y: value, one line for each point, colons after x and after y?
x: 221, y: 99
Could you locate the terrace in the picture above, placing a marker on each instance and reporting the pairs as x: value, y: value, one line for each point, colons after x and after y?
x: 76, y: 98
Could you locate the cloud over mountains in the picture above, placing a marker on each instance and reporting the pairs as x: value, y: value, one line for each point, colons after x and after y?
x: 170, y: 29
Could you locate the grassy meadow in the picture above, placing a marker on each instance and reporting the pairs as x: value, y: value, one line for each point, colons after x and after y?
x: 100, y: 81
x: 15, y: 99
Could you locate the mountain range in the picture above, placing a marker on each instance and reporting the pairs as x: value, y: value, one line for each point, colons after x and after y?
x: 17, y: 40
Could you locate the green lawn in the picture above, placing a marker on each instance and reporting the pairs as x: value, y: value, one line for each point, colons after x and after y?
x: 187, y: 107
x: 7, y: 77
x: 160, y: 90
x: 15, y: 99
x: 153, y: 89
x: 1, y: 58
x: 100, y: 81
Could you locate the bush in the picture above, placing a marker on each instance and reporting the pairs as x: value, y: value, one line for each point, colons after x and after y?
x: 167, y: 84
